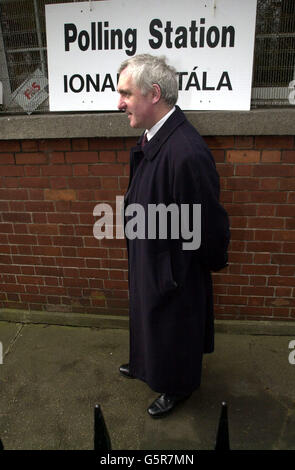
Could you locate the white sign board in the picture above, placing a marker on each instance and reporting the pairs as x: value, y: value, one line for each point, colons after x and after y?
x: 209, y: 42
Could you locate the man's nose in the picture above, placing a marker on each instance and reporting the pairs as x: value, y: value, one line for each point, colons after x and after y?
x: 121, y: 104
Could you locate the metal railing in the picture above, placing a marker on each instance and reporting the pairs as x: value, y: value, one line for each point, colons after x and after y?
x: 274, y: 57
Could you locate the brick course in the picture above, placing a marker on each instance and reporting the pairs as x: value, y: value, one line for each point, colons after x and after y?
x: 50, y: 260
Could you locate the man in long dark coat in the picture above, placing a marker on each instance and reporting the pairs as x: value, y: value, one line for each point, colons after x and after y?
x: 171, y: 306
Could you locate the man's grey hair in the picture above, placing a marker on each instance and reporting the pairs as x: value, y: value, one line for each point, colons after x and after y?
x: 148, y: 70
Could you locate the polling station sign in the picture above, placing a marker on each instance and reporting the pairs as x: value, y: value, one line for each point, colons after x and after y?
x: 209, y: 42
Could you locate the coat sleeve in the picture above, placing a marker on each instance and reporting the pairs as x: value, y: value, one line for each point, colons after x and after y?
x: 196, y: 182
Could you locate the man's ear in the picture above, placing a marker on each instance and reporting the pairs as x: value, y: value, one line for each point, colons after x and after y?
x: 156, y: 93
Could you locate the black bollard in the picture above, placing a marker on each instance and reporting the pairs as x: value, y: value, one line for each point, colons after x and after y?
x: 1, y: 445
x: 102, y: 441
x: 222, y: 438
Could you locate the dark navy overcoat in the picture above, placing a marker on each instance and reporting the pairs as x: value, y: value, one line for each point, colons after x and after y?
x: 171, y: 304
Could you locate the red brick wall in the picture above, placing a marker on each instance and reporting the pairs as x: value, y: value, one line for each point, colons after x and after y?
x: 50, y: 260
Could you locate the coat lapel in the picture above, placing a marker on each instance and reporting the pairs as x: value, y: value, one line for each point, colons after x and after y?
x: 152, y: 148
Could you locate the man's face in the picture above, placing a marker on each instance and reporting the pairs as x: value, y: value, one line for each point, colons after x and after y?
x: 139, y: 108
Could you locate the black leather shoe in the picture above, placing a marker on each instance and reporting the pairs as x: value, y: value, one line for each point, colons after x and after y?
x: 164, y: 404
x: 125, y: 371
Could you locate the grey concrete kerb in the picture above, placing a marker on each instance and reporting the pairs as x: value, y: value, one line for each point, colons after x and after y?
x: 247, y: 327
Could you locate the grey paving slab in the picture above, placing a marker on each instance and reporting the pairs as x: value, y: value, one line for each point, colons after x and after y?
x: 51, y: 380
x: 53, y: 376
x: 8, y: 334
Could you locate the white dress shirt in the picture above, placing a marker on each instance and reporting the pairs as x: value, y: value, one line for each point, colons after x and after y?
x: 151, y: 132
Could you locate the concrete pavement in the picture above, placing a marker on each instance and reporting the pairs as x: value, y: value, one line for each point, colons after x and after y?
x: 52, y: 377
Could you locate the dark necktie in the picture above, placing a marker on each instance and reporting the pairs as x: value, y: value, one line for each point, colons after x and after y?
x: 144, y: 140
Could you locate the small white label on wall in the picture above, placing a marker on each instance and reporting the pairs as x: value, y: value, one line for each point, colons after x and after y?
x: 30, y: 94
